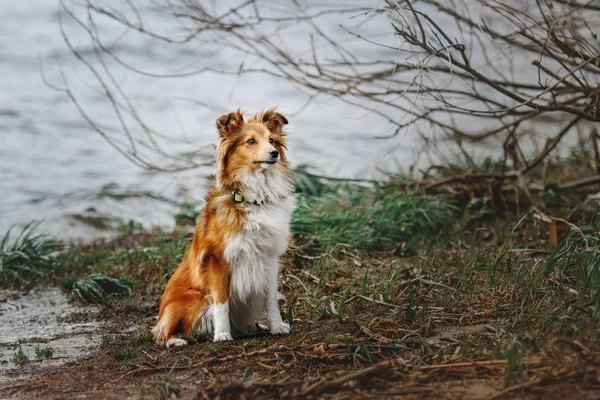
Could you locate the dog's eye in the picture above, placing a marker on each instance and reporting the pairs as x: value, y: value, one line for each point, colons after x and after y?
x: 271, y: 140
x: 251, y: 141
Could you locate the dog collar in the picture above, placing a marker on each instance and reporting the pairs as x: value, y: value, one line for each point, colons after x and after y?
x: 239, y: 198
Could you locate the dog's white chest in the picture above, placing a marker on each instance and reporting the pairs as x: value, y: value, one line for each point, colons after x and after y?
x: 255, y: 251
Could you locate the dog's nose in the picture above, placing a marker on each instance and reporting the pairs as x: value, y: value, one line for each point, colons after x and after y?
x: 274, y: 153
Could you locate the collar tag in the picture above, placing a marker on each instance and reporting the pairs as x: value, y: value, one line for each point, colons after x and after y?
x: 237, y: 197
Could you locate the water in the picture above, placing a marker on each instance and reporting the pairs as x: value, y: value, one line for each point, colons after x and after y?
x: 55, y: 167
x: 43, y: 317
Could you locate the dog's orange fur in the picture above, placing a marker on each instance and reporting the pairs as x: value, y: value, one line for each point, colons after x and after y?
x: 203, y: 276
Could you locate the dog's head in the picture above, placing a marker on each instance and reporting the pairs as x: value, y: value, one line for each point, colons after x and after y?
x: 248, y: 146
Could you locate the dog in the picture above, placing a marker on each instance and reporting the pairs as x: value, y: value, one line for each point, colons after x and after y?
x: 228, y: 275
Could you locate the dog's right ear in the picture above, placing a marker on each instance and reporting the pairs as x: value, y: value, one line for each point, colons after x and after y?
x: 230, y: 123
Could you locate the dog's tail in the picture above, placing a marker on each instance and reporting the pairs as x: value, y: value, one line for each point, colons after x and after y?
x: 179, y: 315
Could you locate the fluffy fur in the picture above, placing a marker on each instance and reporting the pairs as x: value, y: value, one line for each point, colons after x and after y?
x: 228, y: 276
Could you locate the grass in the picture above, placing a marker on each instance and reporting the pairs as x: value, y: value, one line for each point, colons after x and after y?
x: 106, y: 341
x: 188, y: 212
x: 123, y: 273
x: 98, y: 288
x: 125, y: 348
x: 143, y: 337
x: 20, y: 358
x: 374, y: 273
x: 123, y: 353
x: 26, y: 258
x: 130, y: 226
x: 43, y: 352
x: 368, y: 221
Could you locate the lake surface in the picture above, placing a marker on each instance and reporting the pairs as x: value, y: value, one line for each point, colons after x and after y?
x: 54, y: 167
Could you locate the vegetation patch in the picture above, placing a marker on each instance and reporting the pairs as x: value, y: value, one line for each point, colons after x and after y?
x: 43, y: 352
x: 187, y: 214
x: 367, y: 220
x: 20, y: 358
x: 401, y: 289
x: 97, y: 288
x: 27, y: 257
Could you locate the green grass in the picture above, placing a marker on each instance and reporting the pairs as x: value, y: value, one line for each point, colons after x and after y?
x: 188, y: 212
x: 125, y: 348
x: 404, y: 258
x: 26, y: 258
x: 99, y: 288
x: 508, y: 281
x: 20, y: 358
x: 308, y: 185
x: 130, y: 227
x: 143, y: 337
x: 367, y: 220
x: 106, y: 341
x: 411, y: 278
x: 123, y: 353
x: 43, y: 353
x: 138, y: 266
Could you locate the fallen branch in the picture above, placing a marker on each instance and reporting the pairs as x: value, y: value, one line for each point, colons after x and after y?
x: 330, y: 384
x: 515, y: 388
x: 483, y: 364
x: 578, y: 183
x: 232, y: 357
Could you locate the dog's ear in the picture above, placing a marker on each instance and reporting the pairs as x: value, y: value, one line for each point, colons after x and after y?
x: 230, y: 123
x: 274, y: 120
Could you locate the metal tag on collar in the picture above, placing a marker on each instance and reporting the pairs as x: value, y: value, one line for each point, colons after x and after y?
x: 238, y: 198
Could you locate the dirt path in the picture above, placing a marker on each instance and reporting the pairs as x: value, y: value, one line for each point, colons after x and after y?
x: 360, y: 329
x: 317, y: 361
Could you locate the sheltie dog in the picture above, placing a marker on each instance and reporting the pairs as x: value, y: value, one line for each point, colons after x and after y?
x: 228, y: 276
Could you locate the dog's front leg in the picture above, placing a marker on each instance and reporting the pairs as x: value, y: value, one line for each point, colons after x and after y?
x: 219, y: 279
x: 276, y: 324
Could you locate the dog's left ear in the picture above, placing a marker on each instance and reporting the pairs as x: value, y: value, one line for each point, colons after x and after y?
x: 273, y: 120
x: 230, y: 123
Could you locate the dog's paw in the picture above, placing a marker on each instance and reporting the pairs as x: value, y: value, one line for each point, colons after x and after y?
x: 176, y: 342
x: 222, y: 336
x: 261, y: 327
x: 280, y: 329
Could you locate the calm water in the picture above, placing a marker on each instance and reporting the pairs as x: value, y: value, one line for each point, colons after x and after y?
x: 53, y: 166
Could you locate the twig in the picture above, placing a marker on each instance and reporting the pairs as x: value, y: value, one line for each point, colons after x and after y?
x: 515, y: 388
x: 594, y: 137
x: 207, y: 361
x: 483, y: 364
x: 327, y: 384
x: 579, y: 183
x: 383, y: 303
x: 552, y: 145
x: 406, y: 390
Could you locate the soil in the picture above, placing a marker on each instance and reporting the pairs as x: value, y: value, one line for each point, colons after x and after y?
x: 369, y: 349
x: 322, y: 358
x: 289, y: 367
